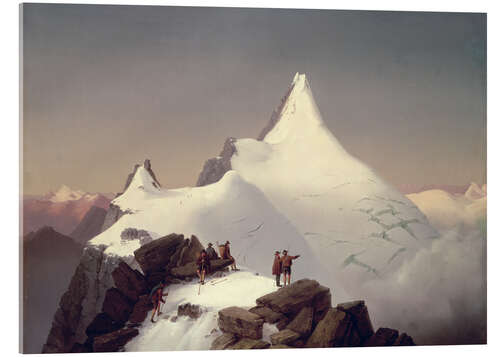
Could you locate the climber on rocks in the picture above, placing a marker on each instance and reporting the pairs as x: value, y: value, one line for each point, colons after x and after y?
x: 203, y: 263
x: 212, y: 254
x: 286, y: 261
x: 227, y: 255
x: 157, y: 298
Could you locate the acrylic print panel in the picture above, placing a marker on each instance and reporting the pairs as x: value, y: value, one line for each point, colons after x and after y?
x: 232, y: 178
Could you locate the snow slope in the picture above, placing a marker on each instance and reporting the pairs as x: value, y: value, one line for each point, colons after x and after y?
x: 230, y: 209
x: 356, y: 224
x: 235, y: 289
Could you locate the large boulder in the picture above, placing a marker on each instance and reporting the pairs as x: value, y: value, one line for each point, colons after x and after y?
x: 157, y: 255
x: 117, y: 306
x: 358, y: 312
x: 249, y: 344
x: 267, y: 314
x: 303, y: 322
x: 284, y: 337
x: 141, y: 309
x: 190, y: 251
x: 383, y: 337
x: 129, y: 281
x: 224, y: 341
x: 189, y: 270
x: 114, y: 341
x: 291, y: 299
x: 240, y: 322
x: 330, y: 331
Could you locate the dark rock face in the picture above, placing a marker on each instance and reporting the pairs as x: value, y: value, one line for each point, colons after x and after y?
x: 303, y: 322
x: 359, y: 315
x: 193, y: 311
x: 117, y: 306
x: 147, y: 166
x: 102, y: 324
x: 240, y: 322
x: 90, y: 225
x: 224, y: 341
x: 215, y: 168
x: 189, y: 270
x: 383, y: 337
x: 157, y: 255
x: 331, y: 330
x: 284, y: 337
x: 291, y: 299
x: 114, y: 341
x: 141, y: 309
x: 275, y: 116
x: 130, y: 282
x: 404, y: 340
x: 249, y: 344
x: 113, y: 214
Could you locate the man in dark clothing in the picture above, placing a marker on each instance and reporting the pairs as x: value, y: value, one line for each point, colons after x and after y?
x: 157, y: 298
x: 277, y: 268
x: 286, y: 262
x: 203, y: 266
x: 227, y: 255
x: 212, y: 254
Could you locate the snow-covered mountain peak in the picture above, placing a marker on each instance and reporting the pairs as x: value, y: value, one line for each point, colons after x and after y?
x: 65, y: 193
x: 141, y: 183
x: 475, y: 192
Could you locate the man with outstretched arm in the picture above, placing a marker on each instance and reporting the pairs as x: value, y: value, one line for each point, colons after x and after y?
x: 286, y: 262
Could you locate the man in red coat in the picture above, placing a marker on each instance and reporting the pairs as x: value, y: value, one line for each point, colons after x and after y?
x: 277, y: 268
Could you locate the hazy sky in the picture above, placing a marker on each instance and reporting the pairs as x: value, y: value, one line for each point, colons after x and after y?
x: 107, y: 86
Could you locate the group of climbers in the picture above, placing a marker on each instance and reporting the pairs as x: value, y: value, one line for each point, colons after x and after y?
x: 281, y: 265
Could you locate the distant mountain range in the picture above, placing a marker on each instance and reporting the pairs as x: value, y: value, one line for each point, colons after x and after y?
x: 63, y: 210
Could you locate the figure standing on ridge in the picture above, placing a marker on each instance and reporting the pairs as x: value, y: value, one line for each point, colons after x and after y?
x: 286, y: 261
x: 277, y: 268
x: 212, y: 254
x: 156, y: 296
x: 203, y: 263
x: 227, y: 255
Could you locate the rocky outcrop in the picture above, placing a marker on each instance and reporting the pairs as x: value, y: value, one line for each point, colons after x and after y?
x: 158, y: 254
x: 359, y: 315
x: 114, y: 341
x: 132, y: 234
x: 291, y: 299
x: 113, y: 214
x: 267, y: 314
x: 331, y: 330
x: 215, y: 168
x: 224, y: 341
x: 147, y: 166
x: 284, y: 337
x: 82, y: 301
x: 190, y: 251
x: 117, y: 305
x: 90, y: 225
x: 193, y: 311
x: 141, y: 309
x: 189, y: 270
x: 303, y: 322
x: 275, y: 116
x: 249, y: 344
x: 383, y: 337
x: 404, y: 340
x: 129, y: 282
x: 240, y: 322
